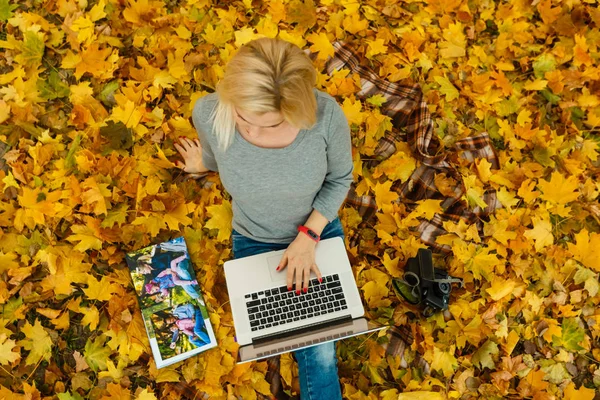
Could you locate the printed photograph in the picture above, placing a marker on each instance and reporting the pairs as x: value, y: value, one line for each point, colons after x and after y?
x: 162, y: 273
x: 174, y: 313
x: 179, y: 329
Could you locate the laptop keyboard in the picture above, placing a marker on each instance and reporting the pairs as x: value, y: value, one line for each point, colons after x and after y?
x: 278, y: 306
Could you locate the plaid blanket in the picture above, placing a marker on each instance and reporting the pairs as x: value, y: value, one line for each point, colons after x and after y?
x: 411, y: 123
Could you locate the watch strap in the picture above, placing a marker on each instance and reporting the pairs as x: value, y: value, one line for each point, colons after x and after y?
x: 309, y: 232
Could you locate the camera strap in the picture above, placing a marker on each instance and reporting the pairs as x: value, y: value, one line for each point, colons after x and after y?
x: 426, y: 265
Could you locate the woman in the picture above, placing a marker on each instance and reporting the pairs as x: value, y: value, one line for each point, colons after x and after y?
x: 283, y: 152
x: 168, y: 279
x: 189, y: 320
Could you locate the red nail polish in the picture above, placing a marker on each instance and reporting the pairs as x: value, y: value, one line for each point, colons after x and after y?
x: 305, y: 290
x: 298, y: 292
x: 320, y: 280
x: 278, y: 268
x: 289, y: 288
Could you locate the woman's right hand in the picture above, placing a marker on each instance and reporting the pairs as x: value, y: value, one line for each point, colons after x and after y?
x: 191, y: 151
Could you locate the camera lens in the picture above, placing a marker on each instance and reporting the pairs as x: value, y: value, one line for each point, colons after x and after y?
x: 444, y: 288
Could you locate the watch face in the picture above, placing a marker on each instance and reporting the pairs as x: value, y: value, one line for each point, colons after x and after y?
x: 314, y: 235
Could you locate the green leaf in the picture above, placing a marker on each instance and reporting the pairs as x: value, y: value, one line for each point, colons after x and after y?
x: 491, y: 126
x: 107, y: 95
x: 542, y: 155
x: 6, y: 10
x: 70, y: 158
x: 571, y: 336
x: 377, y: 100
x: 551, y: 97
x: 483, y: 356
x: 96, y: 353
x: 373, y: 373
x: 118, y: 216
x: 556, y: 373
x: 447, y: 88
x: 69, y: 396
x: 118, y: 134
x: 8, y: 311
x: 507, y: 107
x: 53, y: 88
x: 32, y: 50
x: 544, y: 63
x: 582, y: 275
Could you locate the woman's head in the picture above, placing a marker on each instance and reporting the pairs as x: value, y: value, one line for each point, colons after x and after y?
x: 151, y: 287
x: 267, y: 82
x: 144, y: 268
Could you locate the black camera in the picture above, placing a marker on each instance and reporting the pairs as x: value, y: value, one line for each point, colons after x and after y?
x: 424, y: 284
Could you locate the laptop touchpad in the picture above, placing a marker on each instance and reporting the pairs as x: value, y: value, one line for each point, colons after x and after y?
x: 276, y: 276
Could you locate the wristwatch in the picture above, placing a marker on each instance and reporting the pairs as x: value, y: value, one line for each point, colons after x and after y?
x: 311, y: 234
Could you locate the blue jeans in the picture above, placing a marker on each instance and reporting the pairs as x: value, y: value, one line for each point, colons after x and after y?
x: 317, y: 365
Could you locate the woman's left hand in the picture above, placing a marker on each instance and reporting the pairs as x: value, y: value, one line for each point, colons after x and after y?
x: 299, y: 258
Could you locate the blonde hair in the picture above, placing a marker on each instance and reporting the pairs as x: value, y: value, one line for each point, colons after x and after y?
x: 266, y: 75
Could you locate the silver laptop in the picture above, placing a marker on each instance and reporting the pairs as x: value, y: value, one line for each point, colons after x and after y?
x: 271, y: 320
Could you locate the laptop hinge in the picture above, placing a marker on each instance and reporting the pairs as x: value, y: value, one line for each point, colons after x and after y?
x: 305, y: 328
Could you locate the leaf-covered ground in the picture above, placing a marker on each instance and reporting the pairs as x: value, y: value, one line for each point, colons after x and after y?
x: 93, y: 95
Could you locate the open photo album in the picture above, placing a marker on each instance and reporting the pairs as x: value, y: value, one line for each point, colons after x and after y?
x: 173, y: 310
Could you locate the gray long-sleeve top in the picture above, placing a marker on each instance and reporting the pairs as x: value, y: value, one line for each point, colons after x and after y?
x: 274, y: 191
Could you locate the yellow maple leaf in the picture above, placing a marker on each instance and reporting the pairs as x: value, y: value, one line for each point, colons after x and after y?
x: 498, y: 230
x: 8, y: 261
x: 586, y: 249
x: 221, y: 216
x: 321, y: 44
x: 447, y: 88
x: 97, y: 12
x: 427, y: 208
x: 384, y: 197
x: 85, y: 28
x: 179, y: 215
x: 99, y: 290
x: 98, y: 62
x: 244, y: 35
x: 86, y: 238
x: 96, y: 194
x: 541, y: 233
x: 145, y: 395
x: 128, y: 114
x: 399, y: 166
x: 501, y: 288
x: 474, y: 192
x: 444, y: 361
x: 538, y: 84
x: 7, y: 355
x: 526, y: 191
x: 38, y: 341
x: 4, y: 111
x: 375, y: 47
x: 582, y: 393
x: 177, y: 64
x: 419, y: 395
x: 391, y: 265
x: 559, y: 190
x: 353, y: 23
x: 352, y: 111
x: 91, y: 317
x: 376, y: 287
x: 589, y: 148
x: 455, y: 43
